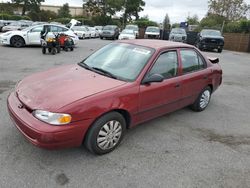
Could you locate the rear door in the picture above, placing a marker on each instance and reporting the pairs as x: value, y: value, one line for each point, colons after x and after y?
x: 195, y: 75
x: 160, y: 98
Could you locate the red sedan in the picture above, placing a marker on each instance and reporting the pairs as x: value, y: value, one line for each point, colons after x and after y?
x: 117, y: 87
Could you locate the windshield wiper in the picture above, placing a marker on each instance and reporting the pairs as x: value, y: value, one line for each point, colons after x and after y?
x: 104, y: 72
x: 84, y: 65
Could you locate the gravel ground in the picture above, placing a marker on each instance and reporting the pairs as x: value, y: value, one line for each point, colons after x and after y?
x: 181, y: 149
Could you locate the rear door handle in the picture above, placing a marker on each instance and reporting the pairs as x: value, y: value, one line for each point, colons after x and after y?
x: 205, y: 77
x: 177, y: 85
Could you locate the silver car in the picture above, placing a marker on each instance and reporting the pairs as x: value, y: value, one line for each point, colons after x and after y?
x: 178, y: 35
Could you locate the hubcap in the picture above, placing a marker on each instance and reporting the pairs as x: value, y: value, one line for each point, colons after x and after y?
x: 109, y: 135
x: 205, y: 97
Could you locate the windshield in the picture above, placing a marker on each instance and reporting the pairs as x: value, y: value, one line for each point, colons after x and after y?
x: 78, y: 29
x: 132, y: 27
x: 109, y: 28
x: 178, y: 31
x: 127, y: 31
x: 15, y: 24
x: 27, y: 28
x: 211, y: 33
x: 124, y: 61
x: 153, y: 29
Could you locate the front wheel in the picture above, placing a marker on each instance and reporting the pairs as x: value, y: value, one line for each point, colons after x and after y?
x: 219, y: 50
x: 202, y: 101
x: 106, y: 133
x: 17, y: 41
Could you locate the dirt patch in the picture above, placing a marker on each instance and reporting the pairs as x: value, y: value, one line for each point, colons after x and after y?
x: 62, y: 179
x: 228, y: 140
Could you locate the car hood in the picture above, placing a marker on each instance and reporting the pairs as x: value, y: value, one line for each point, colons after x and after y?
x: 127, y: 35
x: 59, y: 87
x: 17, y: 32
x: 212, y: 37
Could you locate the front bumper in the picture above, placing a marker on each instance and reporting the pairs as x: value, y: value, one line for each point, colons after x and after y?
x: 4, y: 40
x: 42, y: 134
x: 211, y: 46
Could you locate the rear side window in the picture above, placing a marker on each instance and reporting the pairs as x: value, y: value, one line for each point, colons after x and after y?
x: 191, y: 61
x: 166, y: 65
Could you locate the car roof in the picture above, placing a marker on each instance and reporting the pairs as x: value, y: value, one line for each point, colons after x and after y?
x: 156, y: 44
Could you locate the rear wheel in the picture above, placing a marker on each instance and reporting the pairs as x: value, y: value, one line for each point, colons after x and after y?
x: 44, y: 50
x: 53, y: 51
x: 58, y: 49
x: 202, y: 101
x: 17, y: 41
x: 106, y: 133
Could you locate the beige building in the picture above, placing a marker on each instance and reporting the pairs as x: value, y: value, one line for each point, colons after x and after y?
x: 74, y: 11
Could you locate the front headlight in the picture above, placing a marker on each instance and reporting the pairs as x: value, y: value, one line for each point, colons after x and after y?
x: 52, y: 118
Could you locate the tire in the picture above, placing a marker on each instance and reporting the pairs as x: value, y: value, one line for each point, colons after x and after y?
x: 202, y: 101
x: 66, y: 49
x: 17, y: 41
x: 53, y: 51
x: 71, y: 49
x: 101, y: 37
x: 219, y: 50
x: 58, y: 49
x: 49, y: 49
x: 99, y: 138
x: 44, y: 50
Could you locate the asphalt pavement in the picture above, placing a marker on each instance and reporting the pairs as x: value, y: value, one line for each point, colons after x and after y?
x: 182, y: 149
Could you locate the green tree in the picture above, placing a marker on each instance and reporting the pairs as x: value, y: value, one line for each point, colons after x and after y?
x: 28, y: 5
x: 166, y: 23
x: 212, y: 21
x: 7, y: 8
x: 104, y: 7
x: 42, y: 15
x: 193, y: 20
x: 230, y: 9
x: 92, y: 8
x: 132, y: 8
x: 64, y: 11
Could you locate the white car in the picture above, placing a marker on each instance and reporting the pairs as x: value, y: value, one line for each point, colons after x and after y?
x: 127, y: 34
x: 32, y: 35
x: 152, y: 32
x: 81, y: 31
x: 93, y: 32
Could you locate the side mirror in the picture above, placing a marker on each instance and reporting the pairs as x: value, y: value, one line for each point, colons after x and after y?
x: 153, y: 78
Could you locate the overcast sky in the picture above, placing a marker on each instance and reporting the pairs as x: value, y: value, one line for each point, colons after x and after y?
x: 177, y: 10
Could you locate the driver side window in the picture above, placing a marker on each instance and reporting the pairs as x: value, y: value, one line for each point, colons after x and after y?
x: 166, y: 65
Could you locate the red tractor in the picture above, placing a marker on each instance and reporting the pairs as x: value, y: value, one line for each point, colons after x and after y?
x: 65, y: 42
